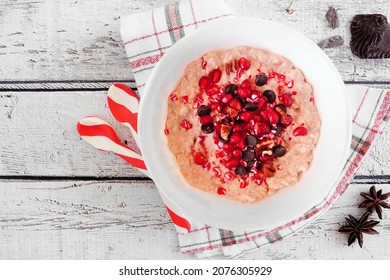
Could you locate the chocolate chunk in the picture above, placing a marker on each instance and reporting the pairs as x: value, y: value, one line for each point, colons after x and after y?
x: 207, y: 128
x: 332, y: 17
x: 270, y: 95
x: 231, y: 88
x: 241, y: 170
x: 261, y: 80
x: 250, y: 165
x: 370, y: 36
x: 278, y: 129
x: 331, y: 42
x: 248, y: 155
x: 203, y: 110
x: 251, y: 107
x: 250, y: 141
x: 279, y: 151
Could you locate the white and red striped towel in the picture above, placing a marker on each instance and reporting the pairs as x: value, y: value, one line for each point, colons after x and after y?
x: 146, y: 37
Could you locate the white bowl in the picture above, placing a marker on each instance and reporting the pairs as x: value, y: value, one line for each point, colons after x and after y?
x: 329, y: 156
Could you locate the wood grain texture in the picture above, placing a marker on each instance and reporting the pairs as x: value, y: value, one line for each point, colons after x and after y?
x: 40, y: 138
x: 127, y: 220
x: 80, y: 40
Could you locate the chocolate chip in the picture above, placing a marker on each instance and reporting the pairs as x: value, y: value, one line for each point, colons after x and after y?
x: 281, y: 106
x: 203, y: 111
x: 251, y: 107
x: 278, y: 129
x: 242, y: 100
x: 250, y: 141
x: 259, y: 166
x: 231, y: 88
x: 207, y: 128
x: 248, y: 155
x: 370, y: 36
x: 241, y: 170
x: 270, y: 95
x: 279, y: 151
x: 261, y: 80
x: 250, y: 165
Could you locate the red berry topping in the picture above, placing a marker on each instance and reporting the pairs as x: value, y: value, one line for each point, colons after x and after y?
x: 226, y: 98
x: 236, y: 104
x: 244, y: 63
x: 199, y: 158
x: 232, y: 163
x: 300, y: 131
x: 204, y: 81
x: 206, y: 119
x: 215, y: 75
x: 246, y: 84
x: 221, y: 191
x: 243, y: 92
x: 212, y: 89
x: 286, y: 99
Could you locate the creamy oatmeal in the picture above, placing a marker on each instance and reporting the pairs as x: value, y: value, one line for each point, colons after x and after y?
x: 242, y: 123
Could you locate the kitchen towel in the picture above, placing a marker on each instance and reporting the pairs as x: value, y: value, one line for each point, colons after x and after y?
x: 148, y: 35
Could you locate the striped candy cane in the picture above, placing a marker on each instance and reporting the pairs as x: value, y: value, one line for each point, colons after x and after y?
x: 123, y: 103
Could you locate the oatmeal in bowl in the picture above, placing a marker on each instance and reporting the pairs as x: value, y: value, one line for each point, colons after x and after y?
x: 242, y: 123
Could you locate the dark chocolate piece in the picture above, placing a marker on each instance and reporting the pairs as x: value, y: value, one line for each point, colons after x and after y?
x: 332, y: 17
x: 331, y: 42
x: 370, y: 36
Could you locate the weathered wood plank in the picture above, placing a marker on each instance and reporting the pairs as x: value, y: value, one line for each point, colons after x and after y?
x: 126, y: 220
x: 39, y: 137
x: 79, y: 40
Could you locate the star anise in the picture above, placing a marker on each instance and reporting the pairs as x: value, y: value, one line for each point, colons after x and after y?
x: 356, y: 228
x: 375, y: 200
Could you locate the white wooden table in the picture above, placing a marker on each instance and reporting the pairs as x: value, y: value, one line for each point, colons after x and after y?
x: 62, y: 199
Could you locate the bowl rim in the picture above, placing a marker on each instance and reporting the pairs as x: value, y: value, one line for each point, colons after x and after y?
x: 150, y: 163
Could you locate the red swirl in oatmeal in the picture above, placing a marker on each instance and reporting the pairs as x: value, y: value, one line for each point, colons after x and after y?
x: 242, y: 123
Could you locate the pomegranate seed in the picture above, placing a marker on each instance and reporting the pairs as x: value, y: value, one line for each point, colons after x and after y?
x: 244, y: 63
x: 241, y: 145
x: 212, y: 89
x: 243, y: 92
x: 186, y: 124
x: 206, y: 119
x: 255, y: 95
x: 184, y: 99
x: 226, y: 98
x: 215, y: 107
x: 262, y: 103
x: 300, y: 131
x: 286, y: 99
x: 232, y: 163
x: 215, y: 75
x: 197, y: 101
x: 199, y: 158
x: 270, y: 116
x: 237, y: 128
x: 173, y: 97
x: 237, y: 153
x: 204, y: 81
x: 245, y: 116
x: 221, y: 191
x: 228, y: 148
x: 311, y: 99
x: 261, y: 129
x: 166, y: 131
x: 246, y: 84
x: 235, y: 104
x: 235, y: 138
